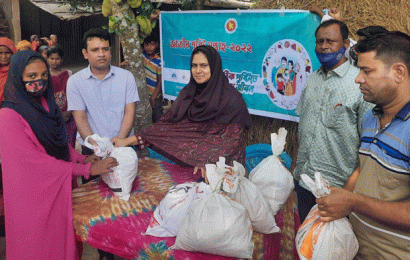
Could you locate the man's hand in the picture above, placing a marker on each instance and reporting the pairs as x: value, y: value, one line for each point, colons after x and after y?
x: 91, y: 141
x: 335, y: 13
x: 316, y: 10
x: 336, y: 205
x: 103, y: 166
x: 92, y: 159
x: 202, y: 170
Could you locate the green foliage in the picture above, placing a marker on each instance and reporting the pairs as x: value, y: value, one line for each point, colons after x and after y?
x: 141, y: 8
x: 106, y: 8
x: 134, y: 3
x: 193, y: 4
x: 76, y: 5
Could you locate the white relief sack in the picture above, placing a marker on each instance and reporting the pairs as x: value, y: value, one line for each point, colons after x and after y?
x: 245, y: 193
x: 171, y: 211
x: 216, y: 224
x: 121, y: 179
x: 317, y: 240
x: 271, y: 177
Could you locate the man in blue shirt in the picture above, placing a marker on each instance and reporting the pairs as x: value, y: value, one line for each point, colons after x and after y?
x: 379, y: 207
x: 101, y: 96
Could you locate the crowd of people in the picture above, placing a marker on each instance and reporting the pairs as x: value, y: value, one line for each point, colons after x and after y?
x: 352, y: 129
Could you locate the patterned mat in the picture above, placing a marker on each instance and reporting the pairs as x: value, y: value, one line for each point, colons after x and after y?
x: 117, y: 226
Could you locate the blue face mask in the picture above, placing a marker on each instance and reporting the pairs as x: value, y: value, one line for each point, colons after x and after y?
x: 328, y: 60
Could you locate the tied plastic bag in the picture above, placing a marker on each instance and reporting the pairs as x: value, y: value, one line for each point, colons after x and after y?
x: 217, y: 225
x: 220, y: 173
x: 272, y: 179
x: 171, y: 211
x: 318, y: 240
x: 245, y: 193
x: 103, y: 148
x: 121, y: 179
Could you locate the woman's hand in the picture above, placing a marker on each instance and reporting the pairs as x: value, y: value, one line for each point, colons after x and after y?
x: 202, y: 170
x: 92, y: 159
x: 132, y: 140
x: 120, y: 142
x: 103, y: 166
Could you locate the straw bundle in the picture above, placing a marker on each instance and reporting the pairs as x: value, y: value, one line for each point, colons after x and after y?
x: 392, y: 14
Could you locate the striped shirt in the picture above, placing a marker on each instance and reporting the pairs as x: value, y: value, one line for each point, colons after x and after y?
x: 152, y: 70
x: 384, y: 175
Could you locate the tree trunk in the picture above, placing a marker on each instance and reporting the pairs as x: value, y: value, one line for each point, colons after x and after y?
x: 132, y: 50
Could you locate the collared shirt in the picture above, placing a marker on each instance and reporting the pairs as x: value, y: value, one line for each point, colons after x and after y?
x: 103, y: 100
x: 152, y: 70
x: 331, y: 110
x: 384, y: 175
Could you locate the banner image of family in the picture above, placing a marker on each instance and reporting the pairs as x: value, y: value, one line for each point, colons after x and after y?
x: 266, y: 54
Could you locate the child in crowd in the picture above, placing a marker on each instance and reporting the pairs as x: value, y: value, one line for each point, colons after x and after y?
x: 53, y: 40
x: 43, y: 51
x: 35, y: 42
x: 152, y: 64
x: 59, y: 77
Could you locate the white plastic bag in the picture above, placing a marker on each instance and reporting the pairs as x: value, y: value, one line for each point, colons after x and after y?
x: 227, y: 175
x: 317, y: 240
x: 245, y: 193
x: 216, y: 224
x: 272, y: 179
x: 171, y: 211
x: 121, y: 179
x: 103, y: 147
x: 251, y: 198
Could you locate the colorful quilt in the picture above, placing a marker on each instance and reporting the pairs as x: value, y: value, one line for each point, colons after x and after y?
x: 116, y: 226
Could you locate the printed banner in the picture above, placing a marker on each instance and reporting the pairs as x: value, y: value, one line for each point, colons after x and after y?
x: 266, y: 54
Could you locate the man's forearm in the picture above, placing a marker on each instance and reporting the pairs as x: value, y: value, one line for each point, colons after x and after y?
x: 392, y: 214
x: 351, y: 181
x: 83, y: 127
x: 127, y: 121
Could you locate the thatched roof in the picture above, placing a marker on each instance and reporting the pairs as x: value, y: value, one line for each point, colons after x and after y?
x: 391, y: 14
x: 63, y: 10
x: 217, y: 3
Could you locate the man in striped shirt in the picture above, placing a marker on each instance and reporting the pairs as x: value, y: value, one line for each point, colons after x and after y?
x: 379, y: 207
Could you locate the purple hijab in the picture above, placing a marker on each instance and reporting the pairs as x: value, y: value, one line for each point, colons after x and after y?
x: 216, y: 101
